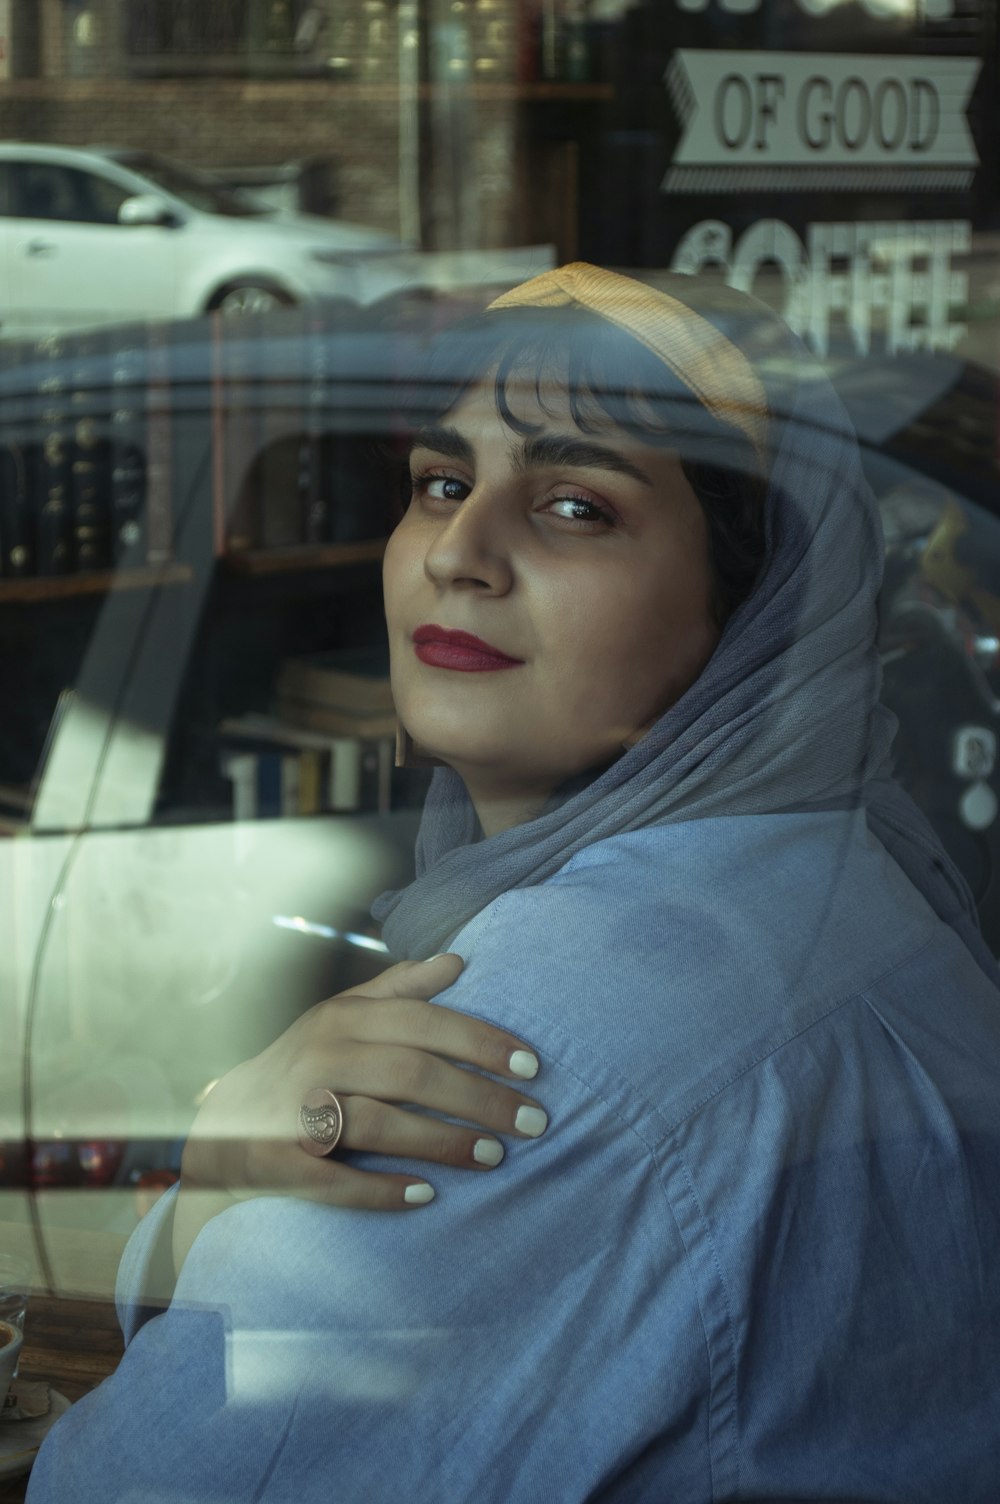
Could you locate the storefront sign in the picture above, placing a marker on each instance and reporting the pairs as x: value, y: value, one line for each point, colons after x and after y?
x: 845, y: 180
x: 893, y: 278
x: 808, y: 120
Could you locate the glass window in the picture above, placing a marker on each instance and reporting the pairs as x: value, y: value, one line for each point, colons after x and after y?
x: 102, y: 196
x: 46, y: 190
x: 40, y: 190
x: 633, y: 634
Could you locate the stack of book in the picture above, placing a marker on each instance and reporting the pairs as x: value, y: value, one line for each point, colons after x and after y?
x: 328, y: 746
x: 343, y: 693
x: 84, y: 448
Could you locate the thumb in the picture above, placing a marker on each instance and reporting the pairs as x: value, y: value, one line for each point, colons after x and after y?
x: 414, y: 978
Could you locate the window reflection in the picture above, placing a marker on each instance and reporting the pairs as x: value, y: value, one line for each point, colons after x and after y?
x: 230, y: 235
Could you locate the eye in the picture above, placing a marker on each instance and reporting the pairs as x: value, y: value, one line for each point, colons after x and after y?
x: 582, y: 511
x: 439, y: 488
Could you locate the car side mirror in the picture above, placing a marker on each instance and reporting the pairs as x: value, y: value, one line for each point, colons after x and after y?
x: 147, y: 209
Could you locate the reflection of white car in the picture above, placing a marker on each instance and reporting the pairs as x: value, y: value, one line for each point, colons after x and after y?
x: 94, y: 237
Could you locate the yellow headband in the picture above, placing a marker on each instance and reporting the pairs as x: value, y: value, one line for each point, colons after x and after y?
x: 700, y: 355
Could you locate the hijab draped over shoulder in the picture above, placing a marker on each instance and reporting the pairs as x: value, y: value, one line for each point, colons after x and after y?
x: 786, y: 716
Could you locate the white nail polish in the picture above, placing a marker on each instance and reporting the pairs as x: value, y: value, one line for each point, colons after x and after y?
x: 531, y: 1120
x: 487, y: 1151
x: 418, y: 1195
x: 524, y: 1064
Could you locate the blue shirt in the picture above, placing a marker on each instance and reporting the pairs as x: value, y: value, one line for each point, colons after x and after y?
x: 755, y: 1256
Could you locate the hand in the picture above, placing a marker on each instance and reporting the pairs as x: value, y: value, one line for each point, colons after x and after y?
x: 378, y: 1044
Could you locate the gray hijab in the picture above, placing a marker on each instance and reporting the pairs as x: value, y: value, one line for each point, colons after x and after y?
x: 785, y: 717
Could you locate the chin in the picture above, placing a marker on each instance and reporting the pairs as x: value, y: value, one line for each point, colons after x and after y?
x: 462, y: 756
x: 426, y: 733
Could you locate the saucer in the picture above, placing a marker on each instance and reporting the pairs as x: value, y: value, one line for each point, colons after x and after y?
x: 20, y: 1439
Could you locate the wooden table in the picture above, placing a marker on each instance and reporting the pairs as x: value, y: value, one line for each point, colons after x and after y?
x: 73, y: 1344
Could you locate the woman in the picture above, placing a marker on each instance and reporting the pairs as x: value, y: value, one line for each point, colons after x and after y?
x: 756, y: 1251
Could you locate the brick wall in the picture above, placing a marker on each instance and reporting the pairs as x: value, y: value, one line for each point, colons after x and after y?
x: 467, y: 142
x: 226, y: 123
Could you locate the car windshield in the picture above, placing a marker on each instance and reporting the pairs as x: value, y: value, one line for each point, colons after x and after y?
x: 199, y: 189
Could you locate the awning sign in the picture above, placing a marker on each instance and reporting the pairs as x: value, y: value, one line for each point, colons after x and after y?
x: 820, y: 121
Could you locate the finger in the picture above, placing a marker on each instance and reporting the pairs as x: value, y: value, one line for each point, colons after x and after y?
x: 418, y: 1025
x: 376, y: 1128
x: 333, y: 1183
x: 413, y: 978
x: 394, y: 1074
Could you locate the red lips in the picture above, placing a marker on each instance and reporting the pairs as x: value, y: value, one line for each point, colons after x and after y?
x: 440, y: 647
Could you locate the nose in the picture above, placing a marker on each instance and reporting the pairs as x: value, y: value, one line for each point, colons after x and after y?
x: 472, y: 550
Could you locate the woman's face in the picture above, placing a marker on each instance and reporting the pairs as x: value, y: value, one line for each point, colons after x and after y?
x: 580, y: 563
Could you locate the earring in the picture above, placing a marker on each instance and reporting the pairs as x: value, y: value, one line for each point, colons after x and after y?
x: 408, y: 753
x: 404, y: 746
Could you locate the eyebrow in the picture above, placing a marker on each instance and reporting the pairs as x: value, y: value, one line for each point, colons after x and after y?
x: 560, y: 449
x: 536, y: 453
x: 446, y: 441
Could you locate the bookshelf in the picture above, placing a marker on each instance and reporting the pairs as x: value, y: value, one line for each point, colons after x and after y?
x: 291, y: 560
x: 296, y: 558
x: 179, y: 668
x: 61, y: 587
x: 241, y: 504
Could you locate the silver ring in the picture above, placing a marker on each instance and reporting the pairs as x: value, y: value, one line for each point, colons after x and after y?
x: 321, y: 1122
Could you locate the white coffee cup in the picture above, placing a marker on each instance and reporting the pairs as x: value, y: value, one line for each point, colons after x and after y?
x: 10, y: 1351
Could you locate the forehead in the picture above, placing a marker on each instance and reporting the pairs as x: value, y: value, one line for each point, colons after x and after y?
x: 519, y: 406
x: 533, y: 428
x: 528, y: 401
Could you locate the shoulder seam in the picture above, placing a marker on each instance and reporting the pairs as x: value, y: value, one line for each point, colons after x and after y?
x: 858, y: 994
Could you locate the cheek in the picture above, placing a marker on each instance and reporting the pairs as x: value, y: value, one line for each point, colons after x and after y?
x: 630, y: 647
x: 401, y: 564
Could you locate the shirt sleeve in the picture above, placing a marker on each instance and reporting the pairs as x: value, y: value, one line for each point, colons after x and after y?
x: 145, y: 1275
x: 534, y: 1332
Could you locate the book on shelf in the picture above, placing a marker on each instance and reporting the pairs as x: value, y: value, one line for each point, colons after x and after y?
x: 265, y: 784
x: 17, y: 550
x: 53, y: 508
x: 341, y: 693
x: 554, y: 41
x: 90, y: 488
x: 281, y: 768
x: 314, y: 477
x: 160, y: 398
x: 129, y: 454
x: 85, y: 452
x: 276, y: 468
x: 360, y: 485
x: 355, y: 680
x: 313, y: 716
x: 237, y: 424
x: 48, y: 469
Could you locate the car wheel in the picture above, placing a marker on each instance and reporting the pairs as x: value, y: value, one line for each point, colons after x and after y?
x: 240, y: 298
